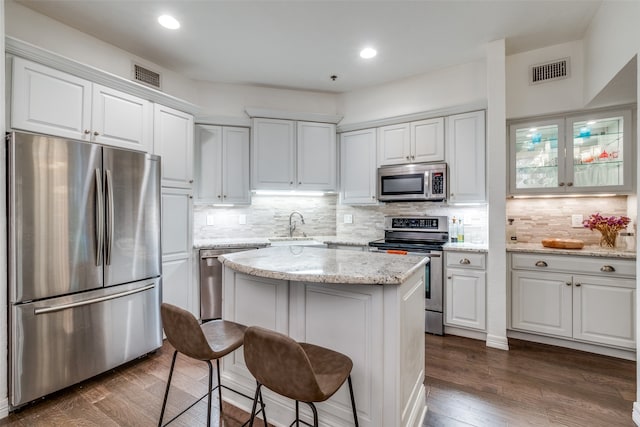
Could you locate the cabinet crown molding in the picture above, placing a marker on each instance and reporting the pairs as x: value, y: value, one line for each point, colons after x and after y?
x: 51, y: 59
x: 265, y: 113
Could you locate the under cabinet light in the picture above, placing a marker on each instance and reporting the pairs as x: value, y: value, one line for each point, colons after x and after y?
x: 289, y: 193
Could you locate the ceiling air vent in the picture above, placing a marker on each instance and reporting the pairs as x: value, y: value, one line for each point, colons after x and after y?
x: 554, y: 70
x: 146, y: 76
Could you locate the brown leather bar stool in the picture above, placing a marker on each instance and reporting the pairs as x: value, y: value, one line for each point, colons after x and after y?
x: 211, y: 341
x: 300, y: 371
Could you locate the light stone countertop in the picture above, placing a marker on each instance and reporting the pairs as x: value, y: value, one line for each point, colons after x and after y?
x: 592, y: 250
x: 322, y: 265
x: 467, y: 247
x: 240, y: 242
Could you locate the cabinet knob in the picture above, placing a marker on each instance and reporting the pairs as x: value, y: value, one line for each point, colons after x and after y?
x: 541, y: 264
x: 568, y: 283
x: 190, y: 181
x: 224, y: 196
x: 299, y: 182
x: 291, y: 182
x: 408, y: 157
x: 87, y: 131
x: 96, y: 133
x: 578, y: 285
x: 191, y: 196
x: 607, y: 269
x: 561, y: 184
x: 569, y: 184
x: 465, y: 261
x: 449, y: 277
x: 413, y: 157
x: 218, y: 196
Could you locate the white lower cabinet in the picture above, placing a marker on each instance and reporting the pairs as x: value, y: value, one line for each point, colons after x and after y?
x: 177, y: 249
x: 577, y: 298
x: 465, y: 291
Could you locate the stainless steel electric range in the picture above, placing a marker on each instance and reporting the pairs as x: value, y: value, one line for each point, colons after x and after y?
x: 421, y: 235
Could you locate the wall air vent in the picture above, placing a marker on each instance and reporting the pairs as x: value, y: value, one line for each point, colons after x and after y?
x: 549, y: 71
x: 146, y: 76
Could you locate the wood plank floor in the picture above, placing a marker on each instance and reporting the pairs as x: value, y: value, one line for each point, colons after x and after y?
x: 467, y: 384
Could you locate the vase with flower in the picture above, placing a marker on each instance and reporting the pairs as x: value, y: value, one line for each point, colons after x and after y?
x: 608, y: 226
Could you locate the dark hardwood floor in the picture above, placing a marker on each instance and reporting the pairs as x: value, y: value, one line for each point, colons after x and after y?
x: 467, y: 384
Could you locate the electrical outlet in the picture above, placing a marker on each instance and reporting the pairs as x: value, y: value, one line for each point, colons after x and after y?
x: 211, y: 220
x: 242, y: 219
x: 576, y: 220
x: 348, y: 219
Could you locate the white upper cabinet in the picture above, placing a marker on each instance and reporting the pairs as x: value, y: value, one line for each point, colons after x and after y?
x: 358, y: 170
x: 316, y: 167
x: 415, y: 142
x: 587, y: 153
x: 46, y: 100
x: 289, y: 155
x: 222, y: 160
x: 173, y: 141
x: 121, y: 120
x: 465, y: 156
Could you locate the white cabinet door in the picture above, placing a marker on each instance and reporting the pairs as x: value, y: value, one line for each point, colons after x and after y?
x: 316, y: 166
x: 173, y: 141
x: 358, y: 171
x: 208, y: 160
x: 466, y: 298
x: 235, y: 165
x: 177, y: 248
x: 394, y: 144
x: 465, y: 155
x: 273, y: 154
x: 427, y: 140
x: 541, y: 302
x: 121, y: 120
x: 48, y: 101
x: 604, y: 310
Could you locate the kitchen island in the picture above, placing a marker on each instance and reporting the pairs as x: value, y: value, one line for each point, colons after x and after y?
x: 369, y: 306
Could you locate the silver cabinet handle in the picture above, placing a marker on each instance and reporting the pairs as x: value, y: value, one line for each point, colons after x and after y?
x: 541, y: 264
x: 568, y: 283
x: 607, y: 269
x: 465, y: 261
x: 578, y: 285
x: 45, y: 310
x: 99, y: 217
x: 561, y: 184
x: 569, y: 184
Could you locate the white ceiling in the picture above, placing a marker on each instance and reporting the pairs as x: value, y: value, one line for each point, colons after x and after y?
x: 300, y: 44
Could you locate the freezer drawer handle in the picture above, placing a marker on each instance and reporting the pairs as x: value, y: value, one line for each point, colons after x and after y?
x: 45, y: 310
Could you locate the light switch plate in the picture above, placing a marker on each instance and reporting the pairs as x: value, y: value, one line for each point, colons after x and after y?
x: 576, y: 220
x: 348, y: 219
x: 242, y: 219
x: 210, y: 220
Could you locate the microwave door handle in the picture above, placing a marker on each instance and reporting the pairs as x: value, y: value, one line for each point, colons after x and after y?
x: 427, y: 184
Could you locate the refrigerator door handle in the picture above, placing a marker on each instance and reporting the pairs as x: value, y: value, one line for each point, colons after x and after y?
x: 99, y: 218
x: 45, y: 310
x: 110, y: 219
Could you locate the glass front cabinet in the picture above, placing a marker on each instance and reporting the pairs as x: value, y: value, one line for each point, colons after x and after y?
x: 589, y: 153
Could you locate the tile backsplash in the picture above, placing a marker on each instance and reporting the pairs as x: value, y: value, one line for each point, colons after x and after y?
x: 536, y: 219
x: 324, y: 216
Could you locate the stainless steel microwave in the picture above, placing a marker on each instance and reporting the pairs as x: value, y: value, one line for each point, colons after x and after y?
x: 412, y: 182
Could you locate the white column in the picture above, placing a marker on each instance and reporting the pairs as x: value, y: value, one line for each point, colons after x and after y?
x: 496, y: 176
x: 636, y: 404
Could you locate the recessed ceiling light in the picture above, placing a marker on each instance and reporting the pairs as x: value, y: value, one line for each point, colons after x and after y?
x: 169, y: 22
x: 368, y: 53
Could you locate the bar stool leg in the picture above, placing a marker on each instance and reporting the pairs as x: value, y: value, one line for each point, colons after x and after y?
x: 297, y: 414
x: 255, y: 403
x: 315, y: 414
x: 166, y: 393
x: 209, y: 393
x: 219, y: 384
x: 353, y: 402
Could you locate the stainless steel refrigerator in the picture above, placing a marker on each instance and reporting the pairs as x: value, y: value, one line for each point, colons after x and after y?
x: 84, y: 261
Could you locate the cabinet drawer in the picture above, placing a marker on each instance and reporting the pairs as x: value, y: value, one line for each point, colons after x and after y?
x: 610, y: 267
x: 465, y: 260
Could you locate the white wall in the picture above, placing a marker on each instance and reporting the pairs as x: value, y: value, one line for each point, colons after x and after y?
x: 525, y: 100
x: 35, y: 28
x: 611, y: 40
x: 230, y: 100
x: 449, y: 87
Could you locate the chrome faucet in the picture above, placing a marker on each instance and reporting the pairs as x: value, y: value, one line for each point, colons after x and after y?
x: 292, y: 224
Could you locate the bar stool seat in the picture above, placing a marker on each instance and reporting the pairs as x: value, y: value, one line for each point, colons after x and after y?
x: 210, y: 341
x: 300, y: 371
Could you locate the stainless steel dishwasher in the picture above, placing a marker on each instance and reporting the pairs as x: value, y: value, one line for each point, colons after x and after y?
x: 211, y: 281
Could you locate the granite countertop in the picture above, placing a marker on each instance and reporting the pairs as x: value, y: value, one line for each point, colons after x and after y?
x: 241, y: 242
x: 322, y: 265
x: 467, y: 247
x: 592, y: 250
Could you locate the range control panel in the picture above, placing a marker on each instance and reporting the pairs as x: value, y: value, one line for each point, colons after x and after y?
x: 431, y: 223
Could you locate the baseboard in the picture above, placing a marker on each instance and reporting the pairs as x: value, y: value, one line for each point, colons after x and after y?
x: 467, y: 333
x: 4, y: 408
x: 496, y: 341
